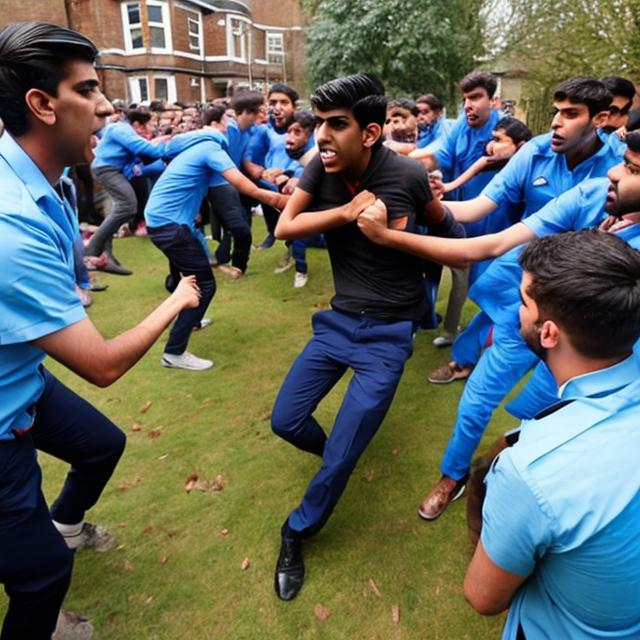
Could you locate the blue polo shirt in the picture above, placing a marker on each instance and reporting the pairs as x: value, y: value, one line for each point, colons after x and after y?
x: 238, y: 140
x: 37, y: 281
x: 536, y: 174
x: 563, y: 507
x: 178, y: 192
x: 432, y: 133
x: 120, y: 145
x: 263, y: 137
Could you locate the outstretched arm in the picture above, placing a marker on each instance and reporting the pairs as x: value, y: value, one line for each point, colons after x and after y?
x: 248, y: 188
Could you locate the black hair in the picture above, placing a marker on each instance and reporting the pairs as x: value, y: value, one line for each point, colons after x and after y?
x: 305, y: 119
x: 479, y: 79
x: 433, y: 101
x: 362, y: 93
x: 620, y: 87
x: 33, y: 56
x: 585, y: 90
x: 213, y: 113
x: 279, y: 87
x: 514, y: 128
x: 587, y: 282
x: 247, y: 101
x: 403, y: 103
x: 138, y: 115
x: 633, y: 141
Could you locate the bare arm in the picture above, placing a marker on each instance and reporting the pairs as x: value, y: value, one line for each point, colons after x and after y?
x: 254, y: 171
x: 403, y: 148
x: 472, y: 210
x: 488, y: 588
x: 295, y: 223
x: 465, y: 176
x: 81, y: 347
x: 248, y: 188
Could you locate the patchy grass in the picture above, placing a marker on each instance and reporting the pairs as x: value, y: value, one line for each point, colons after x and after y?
x: 176, y: 572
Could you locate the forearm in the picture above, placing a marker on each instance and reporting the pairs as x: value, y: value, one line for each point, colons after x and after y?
x: 471, y: 210
x: 464, y: 177
x: 253, y: 170
x: 403, y: 148
x: 248, y: 188
x: 302, y: 225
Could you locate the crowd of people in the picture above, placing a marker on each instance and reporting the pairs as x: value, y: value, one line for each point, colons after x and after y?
x: 541, y: 232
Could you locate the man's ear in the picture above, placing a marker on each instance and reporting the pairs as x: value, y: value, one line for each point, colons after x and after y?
x: 549, y: 334
x: 371, y: 134
x: 600, y: 119
x: 41, y: 106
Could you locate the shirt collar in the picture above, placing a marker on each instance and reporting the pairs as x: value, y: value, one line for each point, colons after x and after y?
x: 603, y: 381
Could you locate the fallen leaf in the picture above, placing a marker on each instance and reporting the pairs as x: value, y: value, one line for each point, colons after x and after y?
x: 321, y: 612
x: 147, y: 530
x: 111, y: 616
x: 395, y: 452
x: 224, y: 532
x: 120, y: 547
x: 122, y: 486
x: 164, y: 457
x: 395, y: 613
x: 164, y: 559
x: 149, y: 600
x: 136, y: 426
x: 203, y: 485
x: 127, y: 566
x: 171, y: 533
x: 374, y: 587
x: 191, y: 482
x: 371, y: 475
x: 155, y: 433
x: 264, y: 415
x: 145, y: 407
x: 218, y: 483
x: 246, y: 563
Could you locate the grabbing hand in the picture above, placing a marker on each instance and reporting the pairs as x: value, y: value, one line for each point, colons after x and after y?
x: 187, y: 292
x: 373, y: 220
x: 270, y: 175
x: 436, y: 185
x: 359, y: 203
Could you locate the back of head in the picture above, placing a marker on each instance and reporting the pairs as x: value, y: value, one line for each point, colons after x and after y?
x: 403, y: 103
x: 33, y: 56
x: 305, y: 119
x: 479, y: 80
x: 247, y: 101
x: 213, y: 113
x: 585, y: 90
x: 514, y: 128
x: 587, y: 282
x: 620, y: 87
x: 280, y: 87
x: 433, y: 101
x: 138, y: 115
x: 362, y: 93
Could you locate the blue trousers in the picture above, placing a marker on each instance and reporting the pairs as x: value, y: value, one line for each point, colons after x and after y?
x: 376, y: 351
x: 187, y: 256
x: 236, y: 224
x: 468, y: 345
x: 299, y: 250
x: 35, y: 562
x: 539, y: 392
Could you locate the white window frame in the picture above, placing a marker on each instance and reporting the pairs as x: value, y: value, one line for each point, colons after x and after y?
x: 134, y: 88
x: 165, y: 25
x: 127, y: 26
x: 271, y: 54
x: 197, y: 20
x: 172, y: 95
x: 233, y: 23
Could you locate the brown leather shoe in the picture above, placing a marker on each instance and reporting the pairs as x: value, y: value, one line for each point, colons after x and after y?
x: 448, y: 373
x: 447, y: 490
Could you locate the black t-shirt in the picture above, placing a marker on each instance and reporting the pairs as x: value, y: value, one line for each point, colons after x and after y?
x: 371, y: 279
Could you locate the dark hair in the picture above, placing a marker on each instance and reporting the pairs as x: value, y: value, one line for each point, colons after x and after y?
x: 633, y: 141
x: 620, y: 86
x: 33, y: 56
x: 305, y: 119
x: 138, y: 115
x: 479, y: 79
x: 588, y: 282
x: 514, y: 128
x: 362, y: 93
x: 585, y: 90
x: 433, y: 101
x: 213, y: 113
x: 247, y: 101
x: 403, y: 103
x: 279, y: 87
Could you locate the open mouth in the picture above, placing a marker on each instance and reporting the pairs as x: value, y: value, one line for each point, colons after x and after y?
x: 327, y: 154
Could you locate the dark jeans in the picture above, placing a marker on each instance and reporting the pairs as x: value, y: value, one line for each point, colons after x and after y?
x: 35, y: 562
x: 271, y: 216
x: 187, y: 255
x: 299, y: 250
x: 236, y: 223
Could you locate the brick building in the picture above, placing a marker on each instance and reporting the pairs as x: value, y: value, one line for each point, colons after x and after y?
x: 184, y: 50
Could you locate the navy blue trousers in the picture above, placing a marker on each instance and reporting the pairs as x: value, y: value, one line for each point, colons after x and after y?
x: 236, y: 223
x: 376, y: 351
x: 35, y: 562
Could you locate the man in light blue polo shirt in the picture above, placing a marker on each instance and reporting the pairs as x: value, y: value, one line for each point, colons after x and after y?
x: 432, y: 127
x: 52, y: 107
x: 561, y: 518
x: 174, y: 202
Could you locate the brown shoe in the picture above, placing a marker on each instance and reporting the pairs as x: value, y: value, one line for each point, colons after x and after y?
x: 447, y: 490
x: 448, y: 373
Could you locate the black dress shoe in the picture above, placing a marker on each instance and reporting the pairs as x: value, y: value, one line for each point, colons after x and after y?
x: 290, y: 566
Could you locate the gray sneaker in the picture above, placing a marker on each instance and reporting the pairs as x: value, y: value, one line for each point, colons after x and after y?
x: 71, y: 626
x: 185, y: 360
x: 92, y: 536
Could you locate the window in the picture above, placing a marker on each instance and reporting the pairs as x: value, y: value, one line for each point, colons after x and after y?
x: 139, y: 88
x: 159, y: 28
x: 237, y: 31
x: 132, y: 26
x: 164, y: 88
x: 193, y: 26
x: 275, y: 48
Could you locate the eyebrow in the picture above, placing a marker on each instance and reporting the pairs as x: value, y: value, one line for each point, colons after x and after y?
x: 86, y: 84
x: 627, y: 160
x: 332, y: 120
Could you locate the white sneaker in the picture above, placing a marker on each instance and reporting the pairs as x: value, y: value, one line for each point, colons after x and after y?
x: 71, y: 626
x: 185, y: 360
x: 204, y: 323
x: 443, y: 341
x: 90, y: 536
x: 285, y: 265
x: 300, y: 280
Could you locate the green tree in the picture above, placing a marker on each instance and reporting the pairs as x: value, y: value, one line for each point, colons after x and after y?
x: 412, y: 45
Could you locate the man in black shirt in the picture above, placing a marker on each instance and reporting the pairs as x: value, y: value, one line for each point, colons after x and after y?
x: 378, y: 297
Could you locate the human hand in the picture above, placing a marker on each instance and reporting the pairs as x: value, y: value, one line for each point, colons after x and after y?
x: 373, y: 220
x: 436, y: 185
x: 359, y: 203
x: 270, y: 175
x: 290, y: 187
x: 187, y: 293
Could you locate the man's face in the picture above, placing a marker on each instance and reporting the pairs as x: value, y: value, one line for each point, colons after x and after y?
x: 530, y: 322
x: 501, y: 144
x: 618, y: 113
x: 80, y: 112
x: 400, y: 120
x: 296, y: 137
x: 144, y: 130
x: 281, y: 108
x: 572, y: 126
x: 245, y: 119
x: 624, y: 191
x: 263, y: 115
x: 340, y: 141
x: 426, y: 115
x: 477, y: 106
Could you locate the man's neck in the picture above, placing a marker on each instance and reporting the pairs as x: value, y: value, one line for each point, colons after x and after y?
x: 43, y: 155
x: 354, y: 174
x: 570, y: 364
x: 583, y: 150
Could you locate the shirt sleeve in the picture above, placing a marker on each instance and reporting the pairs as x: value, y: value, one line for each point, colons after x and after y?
x: 508, y: 184
x: 136, y: 144
x: 217, y: 159
x: 312, y: 175
x: 446, y: 152
x: 515, y: 531
x: 37, y: 291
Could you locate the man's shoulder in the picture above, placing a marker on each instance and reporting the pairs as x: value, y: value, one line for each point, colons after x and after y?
x: 406, y: 168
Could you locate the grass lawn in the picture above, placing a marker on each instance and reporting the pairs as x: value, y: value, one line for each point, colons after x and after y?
x: 180, y: 567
